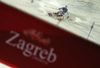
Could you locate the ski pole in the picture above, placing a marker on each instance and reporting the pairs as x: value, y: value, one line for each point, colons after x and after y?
x: 91, y: 29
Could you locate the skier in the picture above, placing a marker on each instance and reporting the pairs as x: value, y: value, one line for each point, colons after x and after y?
x: 62, y: 11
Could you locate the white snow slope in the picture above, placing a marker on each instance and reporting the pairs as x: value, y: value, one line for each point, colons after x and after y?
x: 82, y: 14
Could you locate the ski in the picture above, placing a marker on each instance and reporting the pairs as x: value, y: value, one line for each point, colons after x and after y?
x: 55, y: 16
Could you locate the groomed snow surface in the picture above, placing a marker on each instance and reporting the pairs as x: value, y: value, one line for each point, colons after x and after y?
x: 82, y: 15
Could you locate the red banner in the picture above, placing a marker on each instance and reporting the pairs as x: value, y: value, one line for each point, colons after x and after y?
x: 28, y: 42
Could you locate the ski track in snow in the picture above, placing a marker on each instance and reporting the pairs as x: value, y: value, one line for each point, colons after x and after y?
x: 76, y: 24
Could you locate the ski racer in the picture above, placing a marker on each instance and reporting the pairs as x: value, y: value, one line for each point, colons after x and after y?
x: 62, y: 11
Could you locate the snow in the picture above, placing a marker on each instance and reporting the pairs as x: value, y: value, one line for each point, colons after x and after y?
x: 82, y: 15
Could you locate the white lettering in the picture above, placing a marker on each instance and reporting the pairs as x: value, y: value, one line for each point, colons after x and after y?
x: 36, y: 50
x: 43, y: 53
x: 12, y: 38
x: 51, y: 54
x: 21, y: 44
x: 28, y: 49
